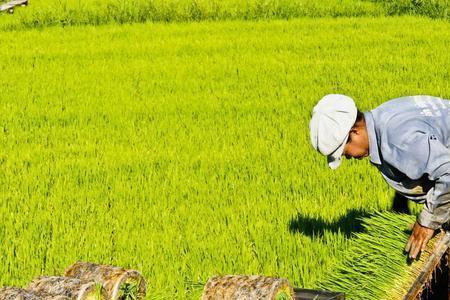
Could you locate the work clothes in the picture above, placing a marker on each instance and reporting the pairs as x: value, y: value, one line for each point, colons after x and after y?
x: 409, y: 142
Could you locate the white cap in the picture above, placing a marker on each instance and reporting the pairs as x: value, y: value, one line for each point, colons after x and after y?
x: 332, y: 118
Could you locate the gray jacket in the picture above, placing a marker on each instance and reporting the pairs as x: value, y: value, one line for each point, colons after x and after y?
x: 409, y: 142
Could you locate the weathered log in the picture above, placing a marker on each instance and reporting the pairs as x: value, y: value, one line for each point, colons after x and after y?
x: 241, y: 287
x: 117, y: 281
x: 67, y: 287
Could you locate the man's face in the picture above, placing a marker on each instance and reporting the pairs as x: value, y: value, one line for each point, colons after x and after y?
x: 357, y: 145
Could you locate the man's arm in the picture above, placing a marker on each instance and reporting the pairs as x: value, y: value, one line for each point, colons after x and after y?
x: 436, y: 210
x: 422, y: 153
x: 434, y: 213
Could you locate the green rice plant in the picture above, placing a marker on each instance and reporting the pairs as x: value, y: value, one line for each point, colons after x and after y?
x: 182, y: 150
x: 98, y: 290
x: 194, y: 289
x: 284, y: 295
x: 375, y: 266
x: 44, y: 13
x: 74, y: 12
x: 430, y: 8
x: 128, y: 291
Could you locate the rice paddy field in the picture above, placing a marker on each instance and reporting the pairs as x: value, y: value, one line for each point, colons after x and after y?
x: 179, y: 146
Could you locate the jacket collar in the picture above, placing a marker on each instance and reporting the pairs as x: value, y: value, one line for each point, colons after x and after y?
x: 373, y: 144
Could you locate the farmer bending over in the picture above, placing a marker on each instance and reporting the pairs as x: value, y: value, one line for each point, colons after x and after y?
x: 407, y: 139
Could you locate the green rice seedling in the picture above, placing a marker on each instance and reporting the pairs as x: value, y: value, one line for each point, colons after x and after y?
x: 128, y: 291
x: 44, y: 13
x: 284, y: 295
x: 376, y: 266
x: 99, y: 290
x: 182, y: 150
x: 433, y: 9
x: 194, y: 289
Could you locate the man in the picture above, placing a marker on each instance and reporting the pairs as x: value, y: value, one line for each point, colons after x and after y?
x: 407, y: 139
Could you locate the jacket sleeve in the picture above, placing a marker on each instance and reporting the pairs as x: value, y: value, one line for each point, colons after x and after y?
x: 417, y: 153
x: 436, y: 210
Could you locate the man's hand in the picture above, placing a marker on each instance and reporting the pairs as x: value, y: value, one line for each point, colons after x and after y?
x: 418, y: 240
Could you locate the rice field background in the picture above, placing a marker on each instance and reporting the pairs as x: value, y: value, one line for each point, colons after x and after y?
x: 181, y: 149
x: 43, y: 13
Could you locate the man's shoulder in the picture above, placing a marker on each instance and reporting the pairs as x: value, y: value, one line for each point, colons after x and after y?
x: 399, y: 119
x: 405, y: 128
x: 404, y: 145
x: 404, y: 131
x: 413, y: 106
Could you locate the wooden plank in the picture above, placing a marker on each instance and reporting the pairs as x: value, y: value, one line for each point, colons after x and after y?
x: 9, y: 6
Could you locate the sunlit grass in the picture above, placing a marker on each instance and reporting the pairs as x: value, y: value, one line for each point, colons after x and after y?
x: 182, y: 150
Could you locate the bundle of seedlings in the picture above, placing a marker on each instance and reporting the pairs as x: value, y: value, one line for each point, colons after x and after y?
x: 68, y: 287
x: 118, y: 282
x: 376, y: 266
x: 14, y: 293
x: 242, y: 287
